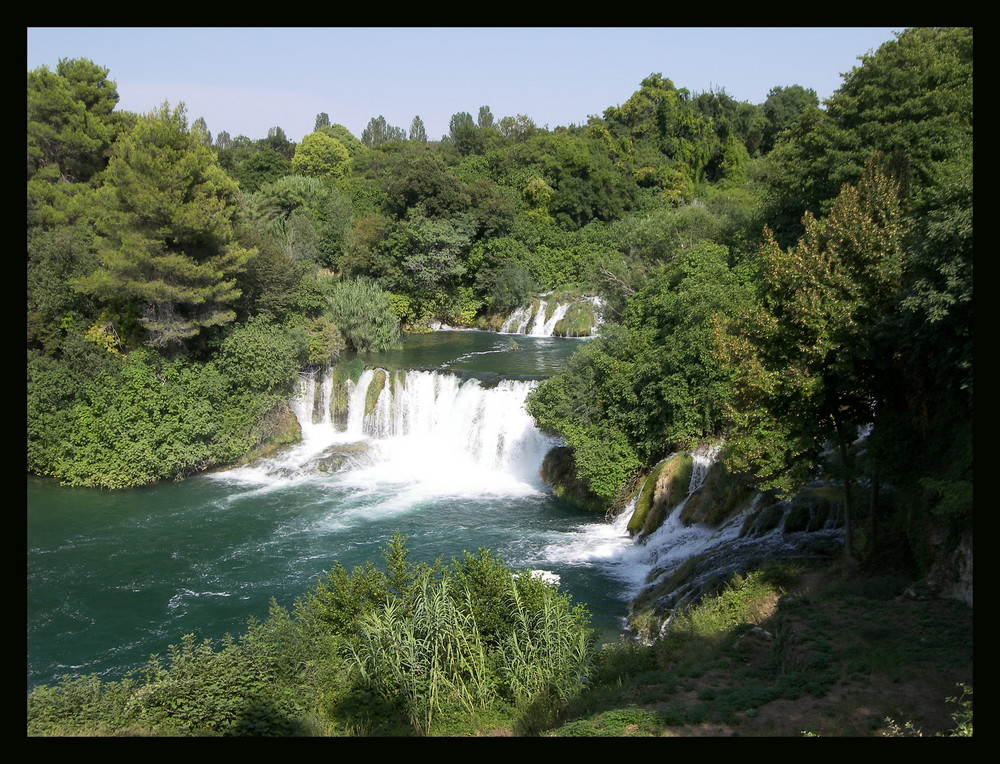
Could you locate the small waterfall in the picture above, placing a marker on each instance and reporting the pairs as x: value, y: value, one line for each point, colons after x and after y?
x: 517, y: 322
x: 703, y: 458
x: 311, y: 402
x: 536, y: 320
x: 684, y: 562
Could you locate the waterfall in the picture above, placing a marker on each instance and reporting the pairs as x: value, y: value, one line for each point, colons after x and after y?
x: 711, y: 554
x: 432, y: 426
x: 536, y: 320
x: 311, y: 403
x: 517, y: 322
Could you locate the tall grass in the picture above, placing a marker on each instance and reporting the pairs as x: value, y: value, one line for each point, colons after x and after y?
x: 432, y: 657
x: 426, y: 659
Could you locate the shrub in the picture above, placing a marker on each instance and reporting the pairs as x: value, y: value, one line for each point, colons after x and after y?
x: 365, y: 315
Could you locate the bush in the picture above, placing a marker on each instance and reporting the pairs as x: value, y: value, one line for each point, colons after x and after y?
x: 259, y: 356
x: 365, y: 315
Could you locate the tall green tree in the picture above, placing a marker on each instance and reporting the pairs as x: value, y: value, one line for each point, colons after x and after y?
x: 320, y: 156
x: 803, y: 362
x: 485, y: 118
x: 783, y: 107
x: 464, y: 134
x: 418, y: 133
x: 379, y: 131
x: 910, y: 100
x: 165, y: 225
x: 69, y: 119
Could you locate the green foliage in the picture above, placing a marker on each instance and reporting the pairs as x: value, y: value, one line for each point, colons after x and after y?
x: 802, y: 355
x: 253, y: 164
x: 80, y: 705
x: 304, y: 216
x: 379, y: 132
x: 320, y: 156
x: 463, y: 637
x: 420, y: 178
x: 258, y: 357
x: 911, y: 100
x: 364, y: 314
x: 652, y: 384
x: 120, y: 422
x: 166, y: 246
x: 69, y: 119
x: 429, y: 646
x: 418, y: 133
x: 783, y: 107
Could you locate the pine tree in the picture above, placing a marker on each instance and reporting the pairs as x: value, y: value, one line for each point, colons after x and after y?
x: 165, y: 243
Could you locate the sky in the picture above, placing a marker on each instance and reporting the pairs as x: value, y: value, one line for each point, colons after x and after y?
x: 247, y: 80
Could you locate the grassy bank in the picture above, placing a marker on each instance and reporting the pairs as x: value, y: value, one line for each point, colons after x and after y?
x: 791, y: 652
x: 783, y: 651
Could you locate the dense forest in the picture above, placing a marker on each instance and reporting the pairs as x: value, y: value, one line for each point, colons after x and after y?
x: 781, y: 275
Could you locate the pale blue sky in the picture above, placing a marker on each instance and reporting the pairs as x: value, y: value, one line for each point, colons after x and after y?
x: 245, y: 80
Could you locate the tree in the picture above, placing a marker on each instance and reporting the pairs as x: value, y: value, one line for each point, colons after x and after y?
x: 278, y: 141
x: 805, y: 355
x: 353, y: 145
x: 911, y: 100
x: 199, y: 129
x: 320, y: 156
x: 783, y: 107
x: 379, y: 131
x: 912, y: 97
x: 464, y: 134
x: 422, y: 178
x: 517, y: 128
x: 322, y: 120
x: 485, y: 118
x: 364, y: 314
x: 164, y: 221
x: 418, y: 133
x: 69, y: 118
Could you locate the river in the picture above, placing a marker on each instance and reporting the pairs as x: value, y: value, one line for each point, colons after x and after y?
x: 448, y: 458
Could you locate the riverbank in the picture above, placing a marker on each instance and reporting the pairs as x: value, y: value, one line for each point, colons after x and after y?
x: 832, y: 654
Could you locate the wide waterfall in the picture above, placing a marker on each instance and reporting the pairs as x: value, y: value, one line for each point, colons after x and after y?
x: 428, y: 426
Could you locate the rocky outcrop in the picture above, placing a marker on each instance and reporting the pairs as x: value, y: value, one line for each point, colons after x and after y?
x: 665, y: 488
x: 558, y: 471
x: 339, y: 456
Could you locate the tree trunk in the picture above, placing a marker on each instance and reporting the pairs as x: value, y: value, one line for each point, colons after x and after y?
x: 849, y: 557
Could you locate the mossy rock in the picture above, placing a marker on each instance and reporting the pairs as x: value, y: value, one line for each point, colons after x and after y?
x: 339, y: 400
x: 764, y: 520
x: 813, y: 509
x: 559, y: 471
x: 578, y: 320
x: 336, y: 457
x: 375, y: 388
x: 720, y: 497
x: 664, y: 489
x: 279, y: 429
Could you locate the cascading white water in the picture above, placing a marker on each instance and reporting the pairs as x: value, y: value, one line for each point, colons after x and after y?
x: 313, y: 416
x: 533, y: 321
x: 517, y: 322
x: 437, y: 428
x: 609, y: 544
